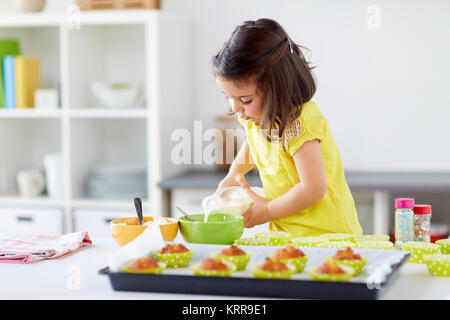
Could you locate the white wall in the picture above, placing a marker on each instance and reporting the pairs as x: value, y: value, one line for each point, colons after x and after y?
x: 385, y: 92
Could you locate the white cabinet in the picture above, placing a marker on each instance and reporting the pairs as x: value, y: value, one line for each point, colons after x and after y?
x: 98, y: 222
x: 30, y: 221
x: 149, y: 48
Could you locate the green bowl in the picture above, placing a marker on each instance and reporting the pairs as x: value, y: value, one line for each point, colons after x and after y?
x: 445, y: 245
x: 221, y: 228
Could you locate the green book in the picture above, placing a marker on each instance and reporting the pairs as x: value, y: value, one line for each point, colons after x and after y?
x: 7, y: 47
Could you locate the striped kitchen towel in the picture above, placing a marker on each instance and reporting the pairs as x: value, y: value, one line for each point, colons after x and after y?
x: 30, y: 248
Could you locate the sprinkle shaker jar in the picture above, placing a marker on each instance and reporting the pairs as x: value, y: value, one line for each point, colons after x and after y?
x: 422, y: 222
x: 404, y: 221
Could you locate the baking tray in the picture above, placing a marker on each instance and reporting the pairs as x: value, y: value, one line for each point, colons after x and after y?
x: 300, y: 286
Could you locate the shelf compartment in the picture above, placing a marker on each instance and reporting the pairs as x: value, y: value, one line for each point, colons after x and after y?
x: 110, y: 143
x: 107, y: 54
x: 42, y: 42
x: 25, y: 143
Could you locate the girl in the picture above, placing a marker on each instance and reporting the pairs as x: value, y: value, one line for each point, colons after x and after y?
x: 269, y: 84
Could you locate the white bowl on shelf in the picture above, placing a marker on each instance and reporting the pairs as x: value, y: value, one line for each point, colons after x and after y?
x: 116, y: 96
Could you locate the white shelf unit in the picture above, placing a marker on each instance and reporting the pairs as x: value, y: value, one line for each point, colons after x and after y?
x: 147, y: 47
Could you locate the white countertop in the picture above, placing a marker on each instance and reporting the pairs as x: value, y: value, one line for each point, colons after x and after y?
x: 76, y: 277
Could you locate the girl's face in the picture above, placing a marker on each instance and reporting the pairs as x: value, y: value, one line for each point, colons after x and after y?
x: 244, y: 98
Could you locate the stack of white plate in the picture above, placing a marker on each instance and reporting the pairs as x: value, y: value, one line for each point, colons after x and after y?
x: 117, y: 182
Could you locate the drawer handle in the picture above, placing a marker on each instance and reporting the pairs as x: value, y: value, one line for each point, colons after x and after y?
x: 24, y: 219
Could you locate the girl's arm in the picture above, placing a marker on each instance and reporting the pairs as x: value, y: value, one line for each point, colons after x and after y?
x: 242, y: 164
x: 311, y: 188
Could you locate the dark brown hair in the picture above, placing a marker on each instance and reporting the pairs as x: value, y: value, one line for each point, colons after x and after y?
x: 261, y: 50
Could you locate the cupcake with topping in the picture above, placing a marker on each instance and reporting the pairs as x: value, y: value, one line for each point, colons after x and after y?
x: 174, y: 255
x: 235, y: 255
x: 291, y: 255
x: 144, y: 265
x: 331, y: 272
x: 213, y: 267
x: 273, y: 269
x: 348, y: 258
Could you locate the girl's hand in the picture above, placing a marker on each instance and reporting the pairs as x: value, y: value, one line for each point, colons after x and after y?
x: 229, y: 181
x: 258, y: 213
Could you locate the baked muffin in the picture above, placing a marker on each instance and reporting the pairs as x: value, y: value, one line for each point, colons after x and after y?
x: 235, y: 255
x: 331, y: 272
x: 213, y: 267
x: 174, y: 248
x: 273, y: 269
x: 144, y: 265
x: 292, y: 255
x: 174, y: 255
x: 348, y: 258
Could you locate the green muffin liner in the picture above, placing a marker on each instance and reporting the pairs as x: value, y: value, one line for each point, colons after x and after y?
x: 160, y: 269
x: 372, y: 237
x: 445, y: 245
x: 307, y: 241
x: 381, y: 245
x: 336, y: 244
x: 174, y: 260
x: 332, y: 277
x: 438, y: 264
x: 263, y: 274
x: 338, y: 236
x: 251, y: 242
x: 356, y: 265
x: 418, y: 249
x: 299, y: 263
x: 239, y: 261
x: 214, y: 273
x: 275, y: 238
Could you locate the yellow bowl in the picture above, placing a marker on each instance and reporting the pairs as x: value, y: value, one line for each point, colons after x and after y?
x: 127, y: 229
